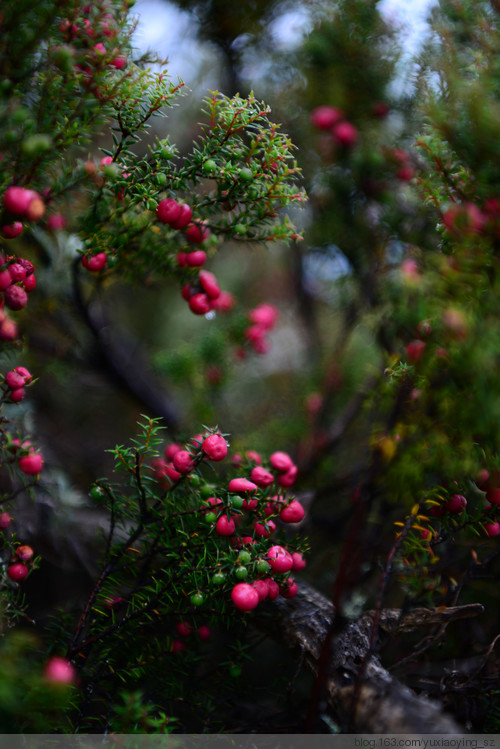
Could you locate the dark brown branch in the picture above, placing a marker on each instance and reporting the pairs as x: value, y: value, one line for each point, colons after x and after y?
x: 384, y: 704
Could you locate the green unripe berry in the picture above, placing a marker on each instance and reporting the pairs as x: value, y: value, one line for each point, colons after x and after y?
x: 235, y: 671
x: 262, y: 566
x: 111, y: 171
x: 218, y: 578
x: 20, y: 115
x: 63, y: 58
x: 245, y: 174
x: 209, y: 167
x: 240, y: 229
x: 36, y: 145
x: 97, y: 493
x: 161, y: 179
x: 166, y: 153
x: 210, y: 518
x: 195, y: 480
x: 241, y: 573
x: 151, y: 205
x: 237, y: 502
x: 244, y: 557
x: 207, y: 490
x: 197, y: 599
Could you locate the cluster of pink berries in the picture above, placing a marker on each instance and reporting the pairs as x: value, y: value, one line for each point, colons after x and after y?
x: 19, y: 203
x: 333, y: 121
x: 19, y: 567
x: 179, y: 461
x: 90, y: 44
x: 285, y: 470
x: 17, y: 280
x: 16, y: 380
x: 263, y: 318
x: 30, y: 461
x: 405, y: 171
x: 468, y: 219
x: 184, y: 630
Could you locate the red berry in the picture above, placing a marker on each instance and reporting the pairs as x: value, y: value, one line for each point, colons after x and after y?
x: 264, y: 315
x: 11, y: 231
x: 262, y: 588
x: 94, y: 263
x: 31, y: 464
x: 56, y: 222
x: 492, y: 529
x: 456, y: 504
x: 273, y: 588
x: 119, y: 62
x: 242, y: 485
x: 325, y: 117
x: 213, y: 502
x: 17, y: 395
x: 215, y: 447
x: 298, y: 561
x: 184, y: 217
x: 265, y: 530
x: 183, y: 461
x: 5, y: 279
x: 184, y: 629
x: 293, y: 513
x: 281, y: 461
x: 405, y: 173
x: 254, y: 456
x: 244, y: 596
x: 288, y: 478
x: 181, y: 258
x: 168, y: 211
x: 204, y: 632
x: 5, y: 520
x: 14, y: 380
x: 289, y: 589
x: 196, y: 259
x: 196, y: 233
x: 178, y: 646
x: 17, y: 272
x: 415, y: 350
x: 225, y: 527
x: 200, y: 304
x: 261, y: 477
x: 29, y: 283
x: 24, y: 553
x: 8, y: 330
x: 15, y: 298
x: 17, y: 572
x: 60, y: 671
x: 225, y: 302
x: 171, y: 449
x: 345, y: 133
x: 279, y: 559
x: 209, y: 284
x: 16, y: 200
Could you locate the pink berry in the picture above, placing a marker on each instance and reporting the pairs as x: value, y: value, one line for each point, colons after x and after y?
x: 17, y: 272
x: 36, y: 208
x: 196, y: 259
x: 265, y: 530
x: 204, y: 632
x: 119, y: 62
x: 29, y: 283
x: 273, y: 588
x: 254, y: 456
x: 262, y: 588
x: 178, y: 646
x: 8, y: 330
x: 15, y: 298
x: 31, y: 464
x: 415, y: 350
x: 184, y: 629
x: 405, y: 173
x: 280, y: 559
x: 56, y: 222
x: 200, y: 304
x: 493, y: 495
x: 17, y: 572
x: 288, y: 478
x: 5, y: 279
x: 215, y: 447
x: 225, y: 527
x: 171, y: 449
x: 264, y: 315
x: 184, y: 217
x: 224, y: 302
x: 289, y: 589
x: 298, y: 561
x: 11, y: 231
x: 106, y: 161
x: 14, y: 380
x: 293, y: 513
x: 209, y: 284
x: 168, y: 211
x: 492, y: 529
x: 24, y: 373
x: 60, y: 671
x: 325, y: 117
x: 281, y: 461
x: 183, y: 461
x: 5, y: 520
x: 196, y: 232
x: 261, y: 477
x: 94, y: 263
x: 345, y: 133
x: 242, y: 486
x: 456, y: 504
x: 24, y: 553
x: 16, y: 200
x: 17, y: 395
x: 244, y: 597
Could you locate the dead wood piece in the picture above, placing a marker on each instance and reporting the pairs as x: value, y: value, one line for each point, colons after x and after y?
x: 382, y: 703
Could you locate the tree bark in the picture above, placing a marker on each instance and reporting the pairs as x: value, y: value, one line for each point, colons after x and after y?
x: 360, y: 692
